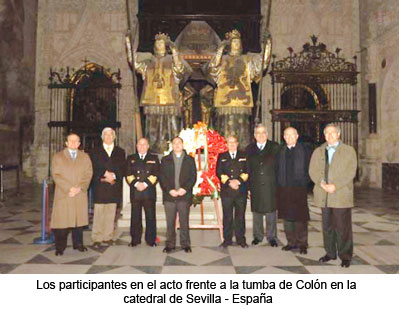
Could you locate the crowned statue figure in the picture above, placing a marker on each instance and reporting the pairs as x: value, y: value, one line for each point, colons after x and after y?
x: 161, y: 97
x: 233, y: 74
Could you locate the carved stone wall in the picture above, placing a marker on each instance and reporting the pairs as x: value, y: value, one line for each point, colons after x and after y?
x: 380, y: 51
x: 69, y: 32
x: 17, y: 73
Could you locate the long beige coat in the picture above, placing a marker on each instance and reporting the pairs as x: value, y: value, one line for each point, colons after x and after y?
x: 341, y: 173
x: 70, y: 211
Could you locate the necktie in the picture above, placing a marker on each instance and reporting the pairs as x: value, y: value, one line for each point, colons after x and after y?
x: 261, y: 147
x: 109, y: 150
x: 73, y: 155
x: 233, y: 156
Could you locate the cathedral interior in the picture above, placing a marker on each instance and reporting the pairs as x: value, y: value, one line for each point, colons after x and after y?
x: 63, y: 68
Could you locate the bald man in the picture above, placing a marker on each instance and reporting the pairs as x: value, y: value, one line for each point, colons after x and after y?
x: 292, y: 178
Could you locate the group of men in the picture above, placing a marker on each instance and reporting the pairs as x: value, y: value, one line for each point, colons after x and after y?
x: 275, y: 177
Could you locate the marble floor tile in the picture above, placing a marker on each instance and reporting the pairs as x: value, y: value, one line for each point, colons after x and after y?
x: 141, y: 255
x: 50, y: 269
x: 382, y: 226
x: 379, y: 255
x: 18, y: 253
x: 262, y: 256
x: 198, y: 270
x: 199, y: 256
x: 337, y: 269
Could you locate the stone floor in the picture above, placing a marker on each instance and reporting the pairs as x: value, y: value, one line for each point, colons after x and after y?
x: 375, y: 226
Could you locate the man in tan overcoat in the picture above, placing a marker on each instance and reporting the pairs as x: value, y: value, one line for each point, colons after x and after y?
x: 332, y: 168
x: 71, y: 170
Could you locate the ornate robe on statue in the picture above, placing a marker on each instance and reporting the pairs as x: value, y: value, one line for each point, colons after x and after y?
x: 233, y: 99
x: 161, y: 99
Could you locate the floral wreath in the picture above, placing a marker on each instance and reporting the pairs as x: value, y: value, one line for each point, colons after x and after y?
x: 197, y: 139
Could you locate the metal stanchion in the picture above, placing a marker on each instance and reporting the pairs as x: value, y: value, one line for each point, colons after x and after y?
x: 45, y: 237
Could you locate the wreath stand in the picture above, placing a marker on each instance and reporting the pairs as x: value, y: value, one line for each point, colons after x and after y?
x: 203, y: 226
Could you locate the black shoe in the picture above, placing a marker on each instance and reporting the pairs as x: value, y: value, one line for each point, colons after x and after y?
x: 134, y: 244
x: 58, y: 252
x: 96, y: 244
x: 288, y: 248
x: 152, y: 245
x: 326, y: 258
x: 187, y: 249
x: 255, y: 242
x: 273, y: 243
x: 243, y: 245
x: 80, y: 248
x: 168, y: 250
x: 108, y: 242
x: 225, y: 244
x: 303, y: 250
x: 345, y: 263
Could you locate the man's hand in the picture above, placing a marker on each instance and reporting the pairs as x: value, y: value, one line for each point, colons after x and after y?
x: 174, y: 193
x: 329, y: 188
x: 234, y: 184
x: 181, y: 192
x: 109, y: 177
x: 141, y: 186
x: 74, y: 191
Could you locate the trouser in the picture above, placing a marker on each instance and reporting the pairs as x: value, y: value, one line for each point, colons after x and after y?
x: 103, y: 222
x: 171, y: 210
x: 61, y: 237
x: 337, y: 232
x: 296, y: 233
x: 234, y: 218
x: 271, y: 226
x: 136, y: 226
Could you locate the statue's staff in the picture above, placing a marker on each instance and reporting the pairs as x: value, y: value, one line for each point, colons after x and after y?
x: 130, y: 48
x: 266, y: 53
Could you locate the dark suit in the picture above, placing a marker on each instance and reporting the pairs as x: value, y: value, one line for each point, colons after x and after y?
x: 261, y: 170
x: 146, y: 171
x: 106, y: 196
x: 103, y: 192
x: 291, y: 194
x: 233, y: 200
x: 181, y: 204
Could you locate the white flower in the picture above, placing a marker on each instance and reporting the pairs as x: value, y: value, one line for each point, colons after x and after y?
x: 197, y: 188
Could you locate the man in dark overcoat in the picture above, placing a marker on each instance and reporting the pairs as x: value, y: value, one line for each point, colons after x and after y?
x: 291, y: 193
x: 108, y: 172
x: 261, y: 169
x: 231, y: 168
x: 142, y: 170
x: 177, y: 176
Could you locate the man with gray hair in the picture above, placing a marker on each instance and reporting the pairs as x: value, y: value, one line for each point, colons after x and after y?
x: 261, y: 169
x: 292, y: 175
x: 108, y: 171
x: 332, y: 168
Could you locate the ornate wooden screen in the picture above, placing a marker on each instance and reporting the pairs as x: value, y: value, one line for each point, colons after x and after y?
x: 84, y: 102
x: 311, y: 89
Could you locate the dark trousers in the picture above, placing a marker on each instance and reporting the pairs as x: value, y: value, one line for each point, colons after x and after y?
x: 136, y: 226
x: 61, y: 237
x: 337, y: 232
x: 171, y: 210
x: 234, y: 218
x: 296, y: 233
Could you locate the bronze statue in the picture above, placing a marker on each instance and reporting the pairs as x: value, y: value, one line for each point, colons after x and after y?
x: 233, y: 74
x: 161, y: 97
